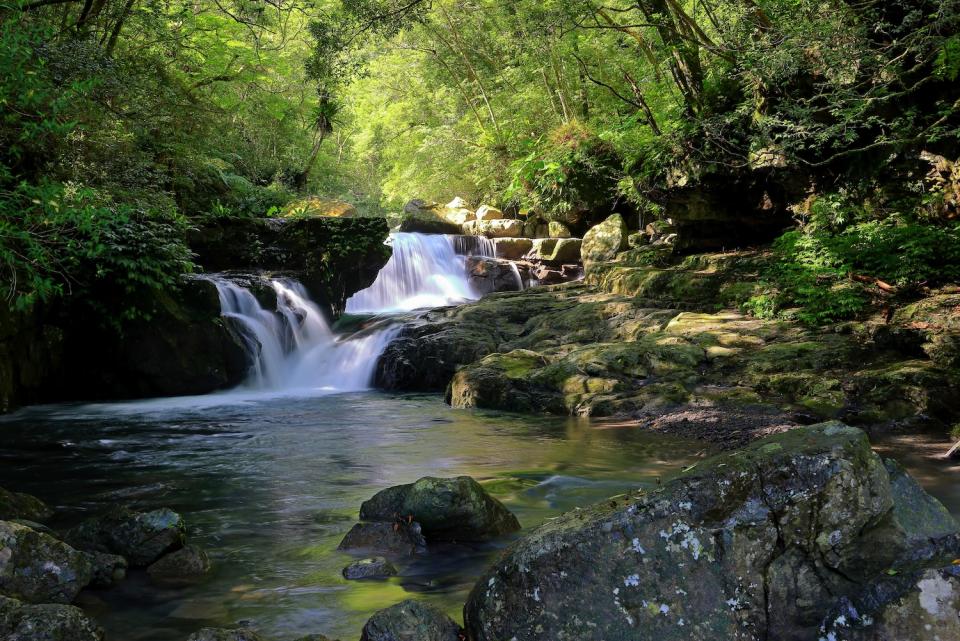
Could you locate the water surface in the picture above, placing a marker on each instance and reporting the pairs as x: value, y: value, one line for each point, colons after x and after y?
x: 270, y: 485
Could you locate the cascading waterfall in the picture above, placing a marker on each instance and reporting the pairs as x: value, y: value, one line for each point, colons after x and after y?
x: 425, y: 270
x: 293, y: 348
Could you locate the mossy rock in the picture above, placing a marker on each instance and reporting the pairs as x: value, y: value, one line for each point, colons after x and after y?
x: 448, y: 509
x: 15, y: 505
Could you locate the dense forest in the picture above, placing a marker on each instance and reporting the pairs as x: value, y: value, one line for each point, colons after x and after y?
x: 126, y: 122
x: 479, y: 320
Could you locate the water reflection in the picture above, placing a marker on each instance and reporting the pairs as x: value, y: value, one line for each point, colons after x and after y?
x: 270, y: 486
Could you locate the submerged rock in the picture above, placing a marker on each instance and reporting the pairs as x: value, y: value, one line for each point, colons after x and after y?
x: 763, y: 543
x: 37, y: 568
x: 448, y: 509
x: 410, y: 621
x: 108, y: 569
x: 375, y: 568
x: 187, y: 565
x: 222, y: 634
x: 15, y: 505
x: 140, y: 537
x: 604, y: 241
x: 395, y: 538
x: 23, y: 622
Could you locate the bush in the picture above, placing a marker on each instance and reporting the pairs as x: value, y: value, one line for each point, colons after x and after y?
x: 566, y: 175
x: 826, y: 269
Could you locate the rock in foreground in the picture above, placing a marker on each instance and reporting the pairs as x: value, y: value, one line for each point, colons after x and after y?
x: 410, y: 621
x: 22, y: 622
x: 764, y: 543
x: 37, y: 568
x: 140, y: 537
x: 448, y: 509
x: 14, y: 505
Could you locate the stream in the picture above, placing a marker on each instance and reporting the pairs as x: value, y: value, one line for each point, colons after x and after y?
x: 269, y: 486
x: 270, y: 476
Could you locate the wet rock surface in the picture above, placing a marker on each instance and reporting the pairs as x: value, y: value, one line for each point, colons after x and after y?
x: 763, y: 543
x: 108, y: 569
x: 37, y: 568
x: 373, y: 568
x: 410, y: 621
x: 25, y: 622
x: 140, y: 537
x: 394, y: 538
x: 16, y: 505
x: 187, y: 565
x: 448, y: 509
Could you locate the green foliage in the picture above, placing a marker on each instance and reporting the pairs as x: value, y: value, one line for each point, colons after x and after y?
x: 827, y: 270
x: 570, y: 170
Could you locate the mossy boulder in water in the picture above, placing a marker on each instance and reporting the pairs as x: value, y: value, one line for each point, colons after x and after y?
x: 15, y: 505
x: 762, y: 543
x: 24, y: 622
x: 448, y: 509
x: 410, y: 621
x: 140, y: 537
x: 37, y: 568
x: 374, y: 568
x: 604, y: 241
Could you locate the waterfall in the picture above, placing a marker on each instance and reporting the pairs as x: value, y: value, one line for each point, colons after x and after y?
x: 293, y: 348
x: 425, y: 270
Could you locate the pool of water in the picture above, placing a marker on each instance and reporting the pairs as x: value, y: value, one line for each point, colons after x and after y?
x: 270, y: 485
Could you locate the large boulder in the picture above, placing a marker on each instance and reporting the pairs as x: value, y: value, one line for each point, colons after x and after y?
x: 14, y: 505
x: 556, y: 251
x: 24, y: 622
x: 604, y: 241
x: 140, y: 537
x: 497, y: 228
x: 763, y: 543
x: 448, y: 509
x: 420, y: 216
x: 512, y: 248
x: 37, y: 568
x: 487, y: 275
x: 410, y: 621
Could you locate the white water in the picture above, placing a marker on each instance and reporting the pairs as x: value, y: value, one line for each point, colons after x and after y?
x: 425, y: 271
x: 292, y: 348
